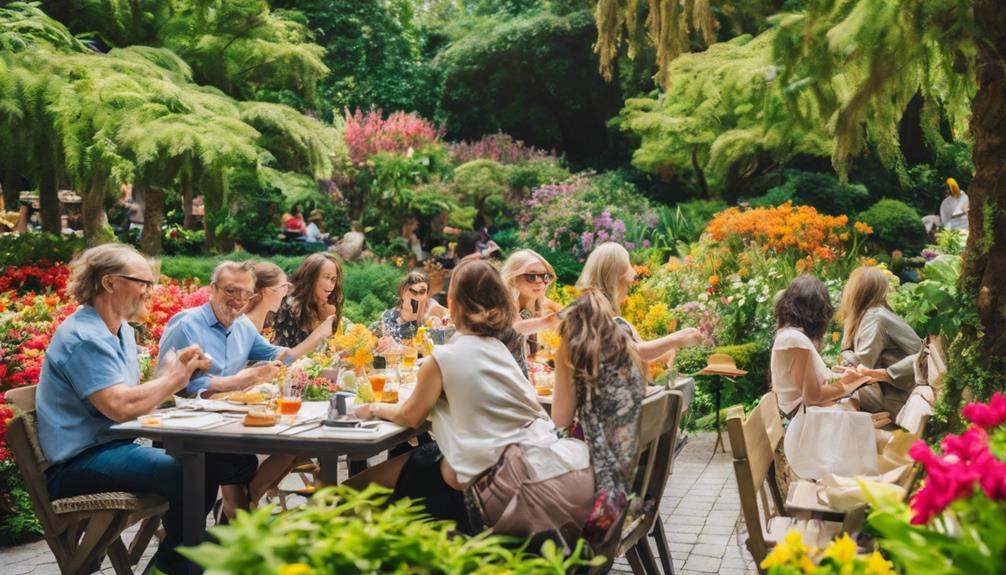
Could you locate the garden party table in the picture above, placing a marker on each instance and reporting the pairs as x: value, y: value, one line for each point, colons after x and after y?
x: 190, y: 436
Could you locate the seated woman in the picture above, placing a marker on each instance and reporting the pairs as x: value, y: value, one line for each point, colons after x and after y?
x: 315, y: 302
x: 493, y: 437
x: 412, y: 308
x: 600, y: 382
x: 294, y: 226
x: 609, y: 271
x: 877, y: 342
x: 528, y: 276
x: 801, y: 381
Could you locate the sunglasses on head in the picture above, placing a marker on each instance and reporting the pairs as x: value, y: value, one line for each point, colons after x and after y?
x: 415, y: 291
x: 543, y: 277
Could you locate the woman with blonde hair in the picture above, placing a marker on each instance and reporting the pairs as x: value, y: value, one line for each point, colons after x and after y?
x: 493, y: 437
x: 600, y: 382
x: 527, y: 274
x: 877, y: 342
x: 609, y: 271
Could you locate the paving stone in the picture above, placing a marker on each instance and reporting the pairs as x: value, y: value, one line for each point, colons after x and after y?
x: 699, y: 563
x: 707, y: 550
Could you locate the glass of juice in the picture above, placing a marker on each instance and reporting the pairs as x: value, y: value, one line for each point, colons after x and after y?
x: 289, y: 401
x: 378, y: 377
x: 409, y: 355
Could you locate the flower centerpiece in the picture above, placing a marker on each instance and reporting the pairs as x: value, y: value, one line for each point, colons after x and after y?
x: 793, y: 557
x: 313, y: 366
x: 356, y: 346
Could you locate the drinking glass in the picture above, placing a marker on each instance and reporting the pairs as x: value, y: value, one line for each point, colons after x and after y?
x: 409, y: 355
x: 378, y: 377
x: 289, y: 401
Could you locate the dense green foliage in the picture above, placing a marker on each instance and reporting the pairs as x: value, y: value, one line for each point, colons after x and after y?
x: 896, y: 225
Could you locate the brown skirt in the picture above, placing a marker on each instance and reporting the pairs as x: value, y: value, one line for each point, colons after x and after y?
x: 514, y: 504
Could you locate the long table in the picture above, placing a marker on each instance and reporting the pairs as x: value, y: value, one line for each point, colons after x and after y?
x: 190, y: 446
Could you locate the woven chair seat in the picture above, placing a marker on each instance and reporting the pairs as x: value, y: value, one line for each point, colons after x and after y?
x: 111, y: 500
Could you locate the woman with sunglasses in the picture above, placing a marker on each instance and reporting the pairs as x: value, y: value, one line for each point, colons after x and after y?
x: 528, y: 276
x: 412, y: 308
x: 315, y: 302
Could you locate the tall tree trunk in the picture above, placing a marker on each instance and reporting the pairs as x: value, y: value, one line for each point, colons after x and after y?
x: 700, y: 175
x: 48, y: 200
x: 153, y: 216
x: 185, y: 182
x: 983, y: 277
x: 92, y: 214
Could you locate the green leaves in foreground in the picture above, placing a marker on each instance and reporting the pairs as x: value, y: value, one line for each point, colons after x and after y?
x: 344, y: 531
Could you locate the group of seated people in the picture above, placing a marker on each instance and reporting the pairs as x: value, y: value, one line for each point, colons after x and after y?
x: 499, y: 459
x: 875, y: 373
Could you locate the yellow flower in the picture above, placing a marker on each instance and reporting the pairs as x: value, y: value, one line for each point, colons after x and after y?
x: 779, y: 555
x: 842, y: 549
x: 877, y: 565
x: 714, y: 280
x: 863, y: 228
x: 835, y: 337
x: 806, y: 565
x: 294, y: 569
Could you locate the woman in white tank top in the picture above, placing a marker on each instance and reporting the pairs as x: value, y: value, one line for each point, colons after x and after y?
x: 494, y: 436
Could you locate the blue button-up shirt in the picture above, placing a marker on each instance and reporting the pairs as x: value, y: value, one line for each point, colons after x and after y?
x: 82, y: 359
x: 231, y: 348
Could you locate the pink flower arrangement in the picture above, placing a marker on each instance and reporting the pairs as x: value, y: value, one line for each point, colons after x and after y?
x: 966, y: 465
x: 499, y: 147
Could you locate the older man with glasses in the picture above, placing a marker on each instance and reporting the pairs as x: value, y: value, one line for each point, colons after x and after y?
x: 90, y: 380
x: 222, y: 330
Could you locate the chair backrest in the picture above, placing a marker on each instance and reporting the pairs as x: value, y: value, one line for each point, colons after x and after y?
x: 652, y: 474
x: 651, y: 428
x: 22, y: 439
x: 754, y: 442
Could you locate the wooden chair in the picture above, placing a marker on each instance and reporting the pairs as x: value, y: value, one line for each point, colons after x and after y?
x: 651, y: 483
x: 623, y: 537
x: 754, y: 442
x: 80, y: 530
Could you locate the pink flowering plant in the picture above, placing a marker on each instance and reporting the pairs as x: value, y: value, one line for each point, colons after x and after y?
x: 956, y: 522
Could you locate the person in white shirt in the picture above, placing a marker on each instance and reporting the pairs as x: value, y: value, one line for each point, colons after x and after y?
x: 955, y: 207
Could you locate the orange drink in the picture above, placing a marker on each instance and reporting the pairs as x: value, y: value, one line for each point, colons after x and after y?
x: 377, y: 380
x: 289, y: 405
x: 389, y: 396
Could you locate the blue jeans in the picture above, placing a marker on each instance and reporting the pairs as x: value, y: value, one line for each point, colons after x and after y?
x: 126, y: 466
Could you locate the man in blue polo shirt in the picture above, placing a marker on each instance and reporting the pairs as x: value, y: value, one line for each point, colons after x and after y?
x: 225, y: 334
x: 89, y: 381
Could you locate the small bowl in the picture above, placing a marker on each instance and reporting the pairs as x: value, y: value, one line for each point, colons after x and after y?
x: 150, y: 420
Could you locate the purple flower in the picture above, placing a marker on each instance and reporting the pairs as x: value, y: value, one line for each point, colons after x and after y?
x: 930, y: 255
x: 602, y: 236
x: 652, y: 220
x: 618, y: 227
x: 630, y: 246
x: 646, y: 243
x: 587, y: 241
x: 604, y: 220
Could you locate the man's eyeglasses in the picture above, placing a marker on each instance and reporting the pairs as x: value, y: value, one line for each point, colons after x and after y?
x: 533, y: 278
x: 236, y: 292
x: 148, y: 284
x: 417, y: 292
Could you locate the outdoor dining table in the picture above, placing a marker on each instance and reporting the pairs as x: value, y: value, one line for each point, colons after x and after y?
x: 229, y: 435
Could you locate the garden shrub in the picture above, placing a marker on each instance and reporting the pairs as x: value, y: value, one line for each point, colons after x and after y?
x: 369, y: 289
x: 18, y: 522
x: 35, y: 247
x: 526, y: 176
x: 896, y: 225
x: 341, y: 530
x: 478, y: 180
x: 744, y: 390
x: 821, y: 190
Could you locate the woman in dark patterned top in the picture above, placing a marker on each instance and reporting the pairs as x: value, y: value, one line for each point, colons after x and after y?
x: 599, y: 382
x: 316, y: 298
x: 412, y: 308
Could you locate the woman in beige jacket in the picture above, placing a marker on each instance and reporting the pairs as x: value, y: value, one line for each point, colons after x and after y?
x: 878, y: 342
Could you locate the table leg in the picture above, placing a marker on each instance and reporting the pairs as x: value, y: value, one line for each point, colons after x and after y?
x: 329, y: 471
x: 193, y: 495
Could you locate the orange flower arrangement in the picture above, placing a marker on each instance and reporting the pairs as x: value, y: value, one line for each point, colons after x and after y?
x: 356, y: 345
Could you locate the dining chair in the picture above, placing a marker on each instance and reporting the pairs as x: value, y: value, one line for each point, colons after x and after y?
x: 80, y: 530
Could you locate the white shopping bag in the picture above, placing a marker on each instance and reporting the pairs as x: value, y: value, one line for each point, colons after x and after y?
x: 828, y: 440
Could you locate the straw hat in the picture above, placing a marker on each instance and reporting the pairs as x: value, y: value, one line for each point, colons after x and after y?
x: 316, y: 216
x: 722, y: 364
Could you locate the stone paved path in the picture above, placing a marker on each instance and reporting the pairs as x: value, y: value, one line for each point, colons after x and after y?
x: 701, y: 512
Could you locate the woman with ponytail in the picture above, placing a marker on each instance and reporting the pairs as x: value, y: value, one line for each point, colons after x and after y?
x: 494, y: 440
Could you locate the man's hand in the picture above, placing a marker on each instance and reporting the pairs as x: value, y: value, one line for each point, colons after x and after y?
x: 262, y: 372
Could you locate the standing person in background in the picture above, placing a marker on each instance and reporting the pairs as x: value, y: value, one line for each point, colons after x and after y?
x: 315, y: 302
x: 955, y: 207
x: 877, y: 342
